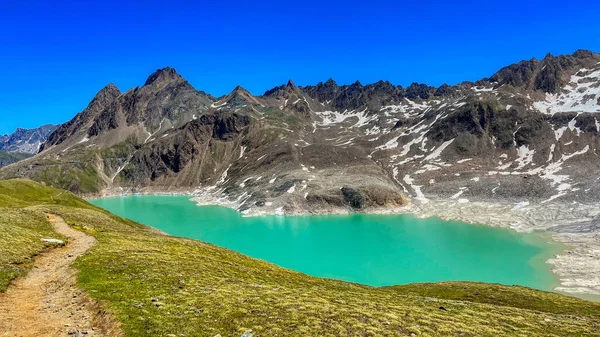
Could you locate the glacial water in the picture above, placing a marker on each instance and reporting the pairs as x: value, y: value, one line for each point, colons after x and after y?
x: 370, y: 249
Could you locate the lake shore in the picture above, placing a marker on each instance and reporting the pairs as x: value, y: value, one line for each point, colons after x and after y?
x: 577, y: 266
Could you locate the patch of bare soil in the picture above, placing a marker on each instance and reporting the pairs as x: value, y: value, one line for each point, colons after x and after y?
x: 47, y: 301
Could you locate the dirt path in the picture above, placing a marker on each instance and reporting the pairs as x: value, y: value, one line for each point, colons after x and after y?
x: 47, y: 301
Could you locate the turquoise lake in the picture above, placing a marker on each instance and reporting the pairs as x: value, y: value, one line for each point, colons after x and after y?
x: 376, y: 250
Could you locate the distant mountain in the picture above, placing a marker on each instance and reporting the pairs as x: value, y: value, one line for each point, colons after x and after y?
x: 26, y: 140
x: 528, y: 132
x: 7, y: 158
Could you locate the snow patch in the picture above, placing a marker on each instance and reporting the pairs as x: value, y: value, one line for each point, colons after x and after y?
x: 525, y: 156
x: 577, y: 95
x: 292, y: 189
x: 459, y: 193
x: 435, y: 154
x: 520, y: 205
x: 223, y: 176
x: 417, y: 188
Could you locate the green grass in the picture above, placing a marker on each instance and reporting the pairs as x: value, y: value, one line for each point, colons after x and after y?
x: 21, y: 231
x: 514, y: 296
x: 22, y: 193
x: 159, y: 285
x: 7, y: 158
x: 75, y: 172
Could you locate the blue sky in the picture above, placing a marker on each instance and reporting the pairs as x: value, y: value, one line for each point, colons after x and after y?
x: 56, y: 56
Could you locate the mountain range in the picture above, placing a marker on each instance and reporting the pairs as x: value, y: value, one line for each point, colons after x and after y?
x: 23, y: 143
x: 26, y: 140
x: 529, y: 132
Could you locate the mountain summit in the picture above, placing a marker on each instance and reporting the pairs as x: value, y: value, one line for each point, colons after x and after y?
x: 162, y: 76
x: 528, y: 132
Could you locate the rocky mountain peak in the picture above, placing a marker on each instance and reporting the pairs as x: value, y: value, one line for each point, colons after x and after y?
x: 583, y: 53
x: 330, y: 82
x: 356, y: 84
x: 444, y: 90
x: 239, y: 90
x: 283, y: 90
x: 164, y: 75
x: 290, y: 84
x: 417, y: 90
x: 237, y: 97
x: 383, y: 85
x: 110, y: 90
x: 104, y: 97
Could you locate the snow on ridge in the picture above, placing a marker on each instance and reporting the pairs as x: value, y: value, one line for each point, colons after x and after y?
x: 580, y: 94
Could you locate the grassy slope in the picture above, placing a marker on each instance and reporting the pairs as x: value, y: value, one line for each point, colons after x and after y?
x: 159, y: 285
x: 74, y: 172
x: 21, y: 229
x: 7, y: 158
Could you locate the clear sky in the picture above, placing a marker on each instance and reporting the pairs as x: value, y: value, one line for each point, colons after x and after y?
x: 56, y: 55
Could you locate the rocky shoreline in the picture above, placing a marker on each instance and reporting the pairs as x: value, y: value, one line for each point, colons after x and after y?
x: 574, y: 225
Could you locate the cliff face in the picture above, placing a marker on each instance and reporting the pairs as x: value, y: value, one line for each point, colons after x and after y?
x: 529, y: 131
x: 188, y: 153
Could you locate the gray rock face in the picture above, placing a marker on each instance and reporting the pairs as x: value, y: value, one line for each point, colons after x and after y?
x: 353, y: 197
x: 185, y: 149
x: 26, y: 140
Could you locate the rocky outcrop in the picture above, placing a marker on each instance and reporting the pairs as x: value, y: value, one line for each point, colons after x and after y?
x: 190, y: 147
